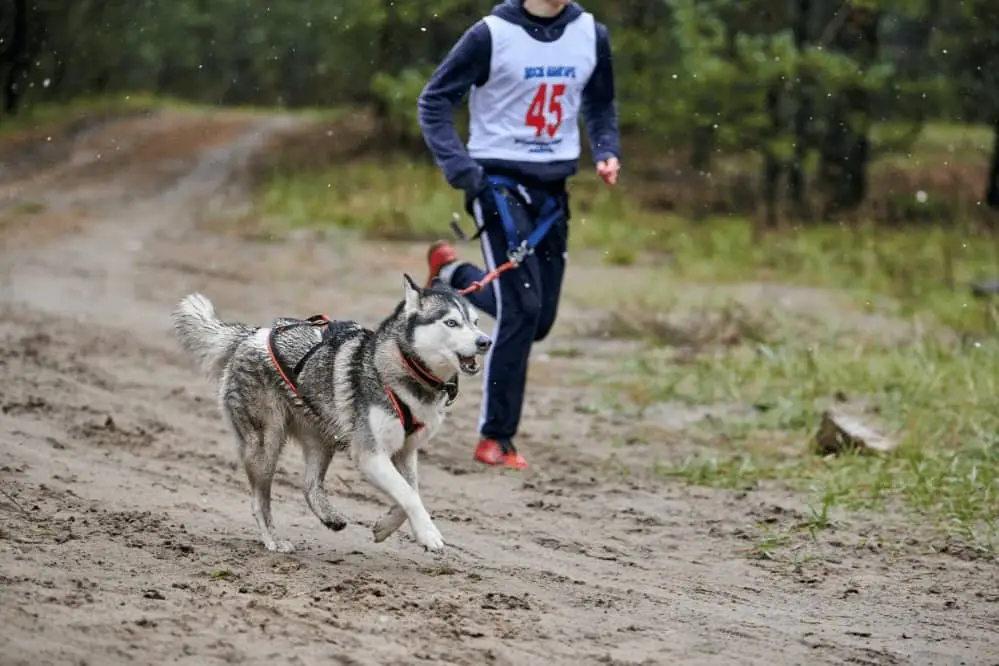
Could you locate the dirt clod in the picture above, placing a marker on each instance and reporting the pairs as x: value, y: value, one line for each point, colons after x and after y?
x: 839, y: 433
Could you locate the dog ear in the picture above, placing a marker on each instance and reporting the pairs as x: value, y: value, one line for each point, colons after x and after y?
x: 412, y: 293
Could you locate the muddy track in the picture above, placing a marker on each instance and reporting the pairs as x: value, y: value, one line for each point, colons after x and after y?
x: 125, y: 529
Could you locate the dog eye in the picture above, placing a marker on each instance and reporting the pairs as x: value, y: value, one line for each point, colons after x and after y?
x: 451, y: 323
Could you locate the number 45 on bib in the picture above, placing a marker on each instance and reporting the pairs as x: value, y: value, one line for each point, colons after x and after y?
x: 545, y: 112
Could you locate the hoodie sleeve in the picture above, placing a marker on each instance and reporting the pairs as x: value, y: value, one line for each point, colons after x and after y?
x: 465, y: 65
x: 599, y: 108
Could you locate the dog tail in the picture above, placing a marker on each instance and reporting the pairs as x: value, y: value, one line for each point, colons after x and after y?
x: 202, y: 334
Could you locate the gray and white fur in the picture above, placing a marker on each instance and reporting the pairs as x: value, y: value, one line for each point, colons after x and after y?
x: 342, y: 400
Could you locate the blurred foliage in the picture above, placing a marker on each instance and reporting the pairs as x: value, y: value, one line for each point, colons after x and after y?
x: 800, y: 81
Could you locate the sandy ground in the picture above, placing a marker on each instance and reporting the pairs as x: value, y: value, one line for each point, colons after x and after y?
x: 125, y: 527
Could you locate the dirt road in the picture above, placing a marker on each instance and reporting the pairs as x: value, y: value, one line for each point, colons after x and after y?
x: 125, y: 528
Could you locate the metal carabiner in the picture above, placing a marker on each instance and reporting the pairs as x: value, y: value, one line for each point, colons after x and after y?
x: 518, y: 254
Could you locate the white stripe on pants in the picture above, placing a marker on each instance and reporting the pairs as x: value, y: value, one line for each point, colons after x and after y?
x: 487, y: 253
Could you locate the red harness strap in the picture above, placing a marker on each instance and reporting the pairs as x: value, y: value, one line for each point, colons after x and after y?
x: 410, y: 425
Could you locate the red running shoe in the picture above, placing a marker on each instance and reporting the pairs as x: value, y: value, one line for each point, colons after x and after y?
x: 491, y: 452
x: 439, y: 255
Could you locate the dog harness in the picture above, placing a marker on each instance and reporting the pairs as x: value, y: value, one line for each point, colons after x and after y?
x: 410, y: 424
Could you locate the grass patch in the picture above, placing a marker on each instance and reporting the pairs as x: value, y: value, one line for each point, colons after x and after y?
x: 936, y: 397
x: 922, y: 271
x: 45, y: 122
x: 915, y: 267
x: 47, y: 115
x: 398, y: 199
x: 938, y: 143
x: 44, y: 117
x: 924, y: 274
x: 222, y: 574
x: 394, y: 199
x: 385, y: 194
x: 692, y: 332
x: 26, y: 208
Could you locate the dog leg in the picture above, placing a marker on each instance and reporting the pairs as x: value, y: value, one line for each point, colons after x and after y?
x: 380, y: 471
x: 260, y: 451
x: 318, y: 455
x: 405, y: 462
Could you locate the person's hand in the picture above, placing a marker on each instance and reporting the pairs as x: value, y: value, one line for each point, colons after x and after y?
x: 607, y: 169
x: 476, y: 190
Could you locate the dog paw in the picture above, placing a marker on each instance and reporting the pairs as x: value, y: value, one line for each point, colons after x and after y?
x: 430, y: 538
x: 336, y: 523
x: 280, y: 547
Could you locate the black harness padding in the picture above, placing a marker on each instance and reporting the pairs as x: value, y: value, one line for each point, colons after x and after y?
x: 291, y: 375
x: 327, y: 334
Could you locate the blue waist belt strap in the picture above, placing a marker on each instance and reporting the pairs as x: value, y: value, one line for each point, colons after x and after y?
x: 549, y: 214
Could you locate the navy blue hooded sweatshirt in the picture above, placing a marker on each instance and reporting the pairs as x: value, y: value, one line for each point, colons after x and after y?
x: 468, y: 64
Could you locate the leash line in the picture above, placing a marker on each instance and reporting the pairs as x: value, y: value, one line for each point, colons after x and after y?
x: 491, y: 276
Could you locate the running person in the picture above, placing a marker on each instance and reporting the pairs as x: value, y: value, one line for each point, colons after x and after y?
x: 532, y: 66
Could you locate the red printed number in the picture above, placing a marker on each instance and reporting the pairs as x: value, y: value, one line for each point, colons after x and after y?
x: 538, y: 116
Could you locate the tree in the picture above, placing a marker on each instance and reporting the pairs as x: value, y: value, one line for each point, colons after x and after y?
x: 845, y: 149
x: 969, y: 36
x: 16, y: 59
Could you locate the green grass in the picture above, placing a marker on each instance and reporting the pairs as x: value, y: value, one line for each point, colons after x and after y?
x: 392, y: 199
x: 934, y: 395
x: 26, y: 208
x: 940, y: 142
x: 38, y: 117
x: 44, y: 116
x: 924, y: 270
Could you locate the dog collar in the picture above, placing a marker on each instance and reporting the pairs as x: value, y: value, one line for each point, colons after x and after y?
x: 421, y: 372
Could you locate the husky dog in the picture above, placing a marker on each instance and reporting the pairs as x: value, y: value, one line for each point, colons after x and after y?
x: 380, y: 394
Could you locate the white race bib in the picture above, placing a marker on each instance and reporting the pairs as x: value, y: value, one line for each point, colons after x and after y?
x: 528, y: 110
